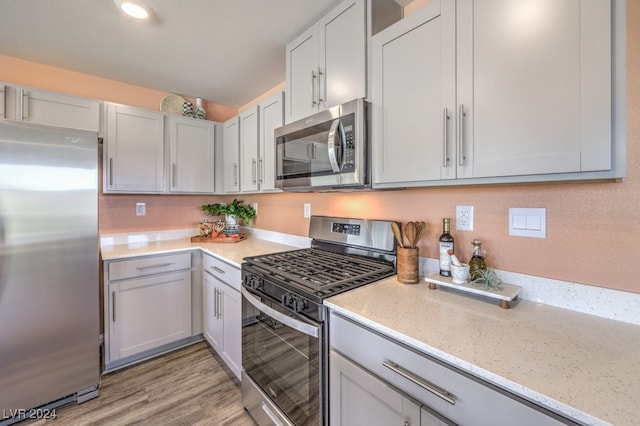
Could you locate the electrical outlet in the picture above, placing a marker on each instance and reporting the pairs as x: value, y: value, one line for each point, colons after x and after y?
x: 307, y: 210
x: 255, y: 207
x: 141, y: 209
x: 464, y: 218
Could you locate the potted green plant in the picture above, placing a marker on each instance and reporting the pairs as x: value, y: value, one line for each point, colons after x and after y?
x: 236, y: 210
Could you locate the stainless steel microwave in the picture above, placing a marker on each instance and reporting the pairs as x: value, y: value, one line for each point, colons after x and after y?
x: 325, y: 151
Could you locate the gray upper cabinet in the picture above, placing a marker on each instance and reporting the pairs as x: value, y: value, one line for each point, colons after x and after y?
x: 249, y: 147
x: 495, y: 91
x: 534, y: 87
x: 231, y: 156
x: 249, y: 140
x: 271, y: 117
x: 191, y: 155
x: 134, y: 150
x: 413, y: 98
x: 53, y: 109
x: 326, y: 65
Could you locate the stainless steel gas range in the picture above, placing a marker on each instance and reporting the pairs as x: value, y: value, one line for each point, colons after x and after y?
x: 284, y: 330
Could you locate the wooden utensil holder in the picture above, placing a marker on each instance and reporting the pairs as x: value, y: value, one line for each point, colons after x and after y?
x: 407, y: 265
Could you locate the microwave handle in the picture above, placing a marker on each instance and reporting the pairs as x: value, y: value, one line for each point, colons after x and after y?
x: 336, y: 130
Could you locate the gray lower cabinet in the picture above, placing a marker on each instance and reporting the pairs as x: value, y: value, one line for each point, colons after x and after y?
x: 222, y: 311
x: 359, y: 397
x: 377, y: 378
x: 147, y: 307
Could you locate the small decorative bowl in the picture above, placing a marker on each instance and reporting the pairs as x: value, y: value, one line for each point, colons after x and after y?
x: 460, y: 274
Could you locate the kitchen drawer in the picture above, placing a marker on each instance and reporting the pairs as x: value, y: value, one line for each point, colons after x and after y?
x: 453, y: 394
x: 148, y: 265
x: 223, y: 271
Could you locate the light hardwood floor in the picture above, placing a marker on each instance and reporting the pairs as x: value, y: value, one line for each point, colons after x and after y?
x: 187, y: 387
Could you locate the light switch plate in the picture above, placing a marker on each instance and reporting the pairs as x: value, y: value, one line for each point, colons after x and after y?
x: 528, y: 222
x: 307, y: 210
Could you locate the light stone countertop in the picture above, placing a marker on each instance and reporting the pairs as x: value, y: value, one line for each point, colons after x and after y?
x: 579, y: 365
x: 232, y: 253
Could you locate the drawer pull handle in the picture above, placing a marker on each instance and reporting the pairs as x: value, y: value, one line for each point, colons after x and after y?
x: 439, y: 392
x: 159, y: 265
x: 218, y: 270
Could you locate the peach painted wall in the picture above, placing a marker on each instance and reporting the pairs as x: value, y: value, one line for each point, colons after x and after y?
x: 31, y: 74
x: 593, y: 235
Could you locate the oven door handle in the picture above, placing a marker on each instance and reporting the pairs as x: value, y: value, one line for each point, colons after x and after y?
x: 308, y: 329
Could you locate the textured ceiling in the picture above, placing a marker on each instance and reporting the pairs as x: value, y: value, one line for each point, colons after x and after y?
x: 225, y: 51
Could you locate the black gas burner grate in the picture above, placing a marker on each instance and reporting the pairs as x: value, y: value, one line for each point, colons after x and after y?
x: 323, y: 273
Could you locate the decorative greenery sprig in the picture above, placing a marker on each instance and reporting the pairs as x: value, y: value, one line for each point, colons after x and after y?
x: 487, y: 279
x: 237, y: 208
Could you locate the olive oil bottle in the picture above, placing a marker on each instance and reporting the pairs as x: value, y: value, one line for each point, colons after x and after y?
x: 446, y: 248
x: 477, y: 262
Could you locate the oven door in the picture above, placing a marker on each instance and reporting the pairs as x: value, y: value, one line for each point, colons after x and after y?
x: 282, y: 355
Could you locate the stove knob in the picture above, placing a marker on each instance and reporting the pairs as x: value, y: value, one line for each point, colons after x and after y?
x: 299, y: 305
x: 254, y: 282
x: 287, y: 299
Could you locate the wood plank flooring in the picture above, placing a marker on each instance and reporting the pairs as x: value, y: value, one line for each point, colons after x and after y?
x: 190, y: 387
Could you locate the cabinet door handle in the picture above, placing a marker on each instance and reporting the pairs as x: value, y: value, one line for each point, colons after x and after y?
x: 320, y: 97
x: 461, y: 115
x: 218, y: 270
x: 261, y: 170
x: 235, y: 174
x: 430, y: 387
x: 110, y: 172
x: 23, y: 103
x: 220, y: 296
x: 215, y: 303
x: 445, y: 138
x: 313, y: 88
x: 3, y: 102
x: 254, y: 170
x: 159, y: 265
x: 113, y: 306
x: 174, y: 167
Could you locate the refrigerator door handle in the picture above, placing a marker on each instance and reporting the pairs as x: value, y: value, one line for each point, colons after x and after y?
x: 3, y: 268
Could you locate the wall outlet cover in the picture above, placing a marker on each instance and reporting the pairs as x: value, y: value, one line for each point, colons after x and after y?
x: 464, y: 218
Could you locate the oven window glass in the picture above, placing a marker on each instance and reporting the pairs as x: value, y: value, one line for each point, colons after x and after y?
x: 284, y: 362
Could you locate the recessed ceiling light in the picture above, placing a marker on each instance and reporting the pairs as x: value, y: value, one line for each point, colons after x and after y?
x: 134, y: 8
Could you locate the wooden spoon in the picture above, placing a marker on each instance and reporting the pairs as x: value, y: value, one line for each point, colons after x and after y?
x: 410, y: 233
x: 395, y: 227
x: 420, y: 228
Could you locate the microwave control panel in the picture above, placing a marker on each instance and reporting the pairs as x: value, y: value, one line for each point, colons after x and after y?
x: 349, y: 165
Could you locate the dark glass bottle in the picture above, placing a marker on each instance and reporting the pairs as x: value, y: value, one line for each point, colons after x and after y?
x: 477, y: 262
x: 446, y: 248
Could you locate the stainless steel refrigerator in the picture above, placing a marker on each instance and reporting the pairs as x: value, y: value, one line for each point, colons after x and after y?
x: 49, y: 314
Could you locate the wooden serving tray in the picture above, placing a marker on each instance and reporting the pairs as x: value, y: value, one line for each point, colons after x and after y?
x: 199, y: 239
